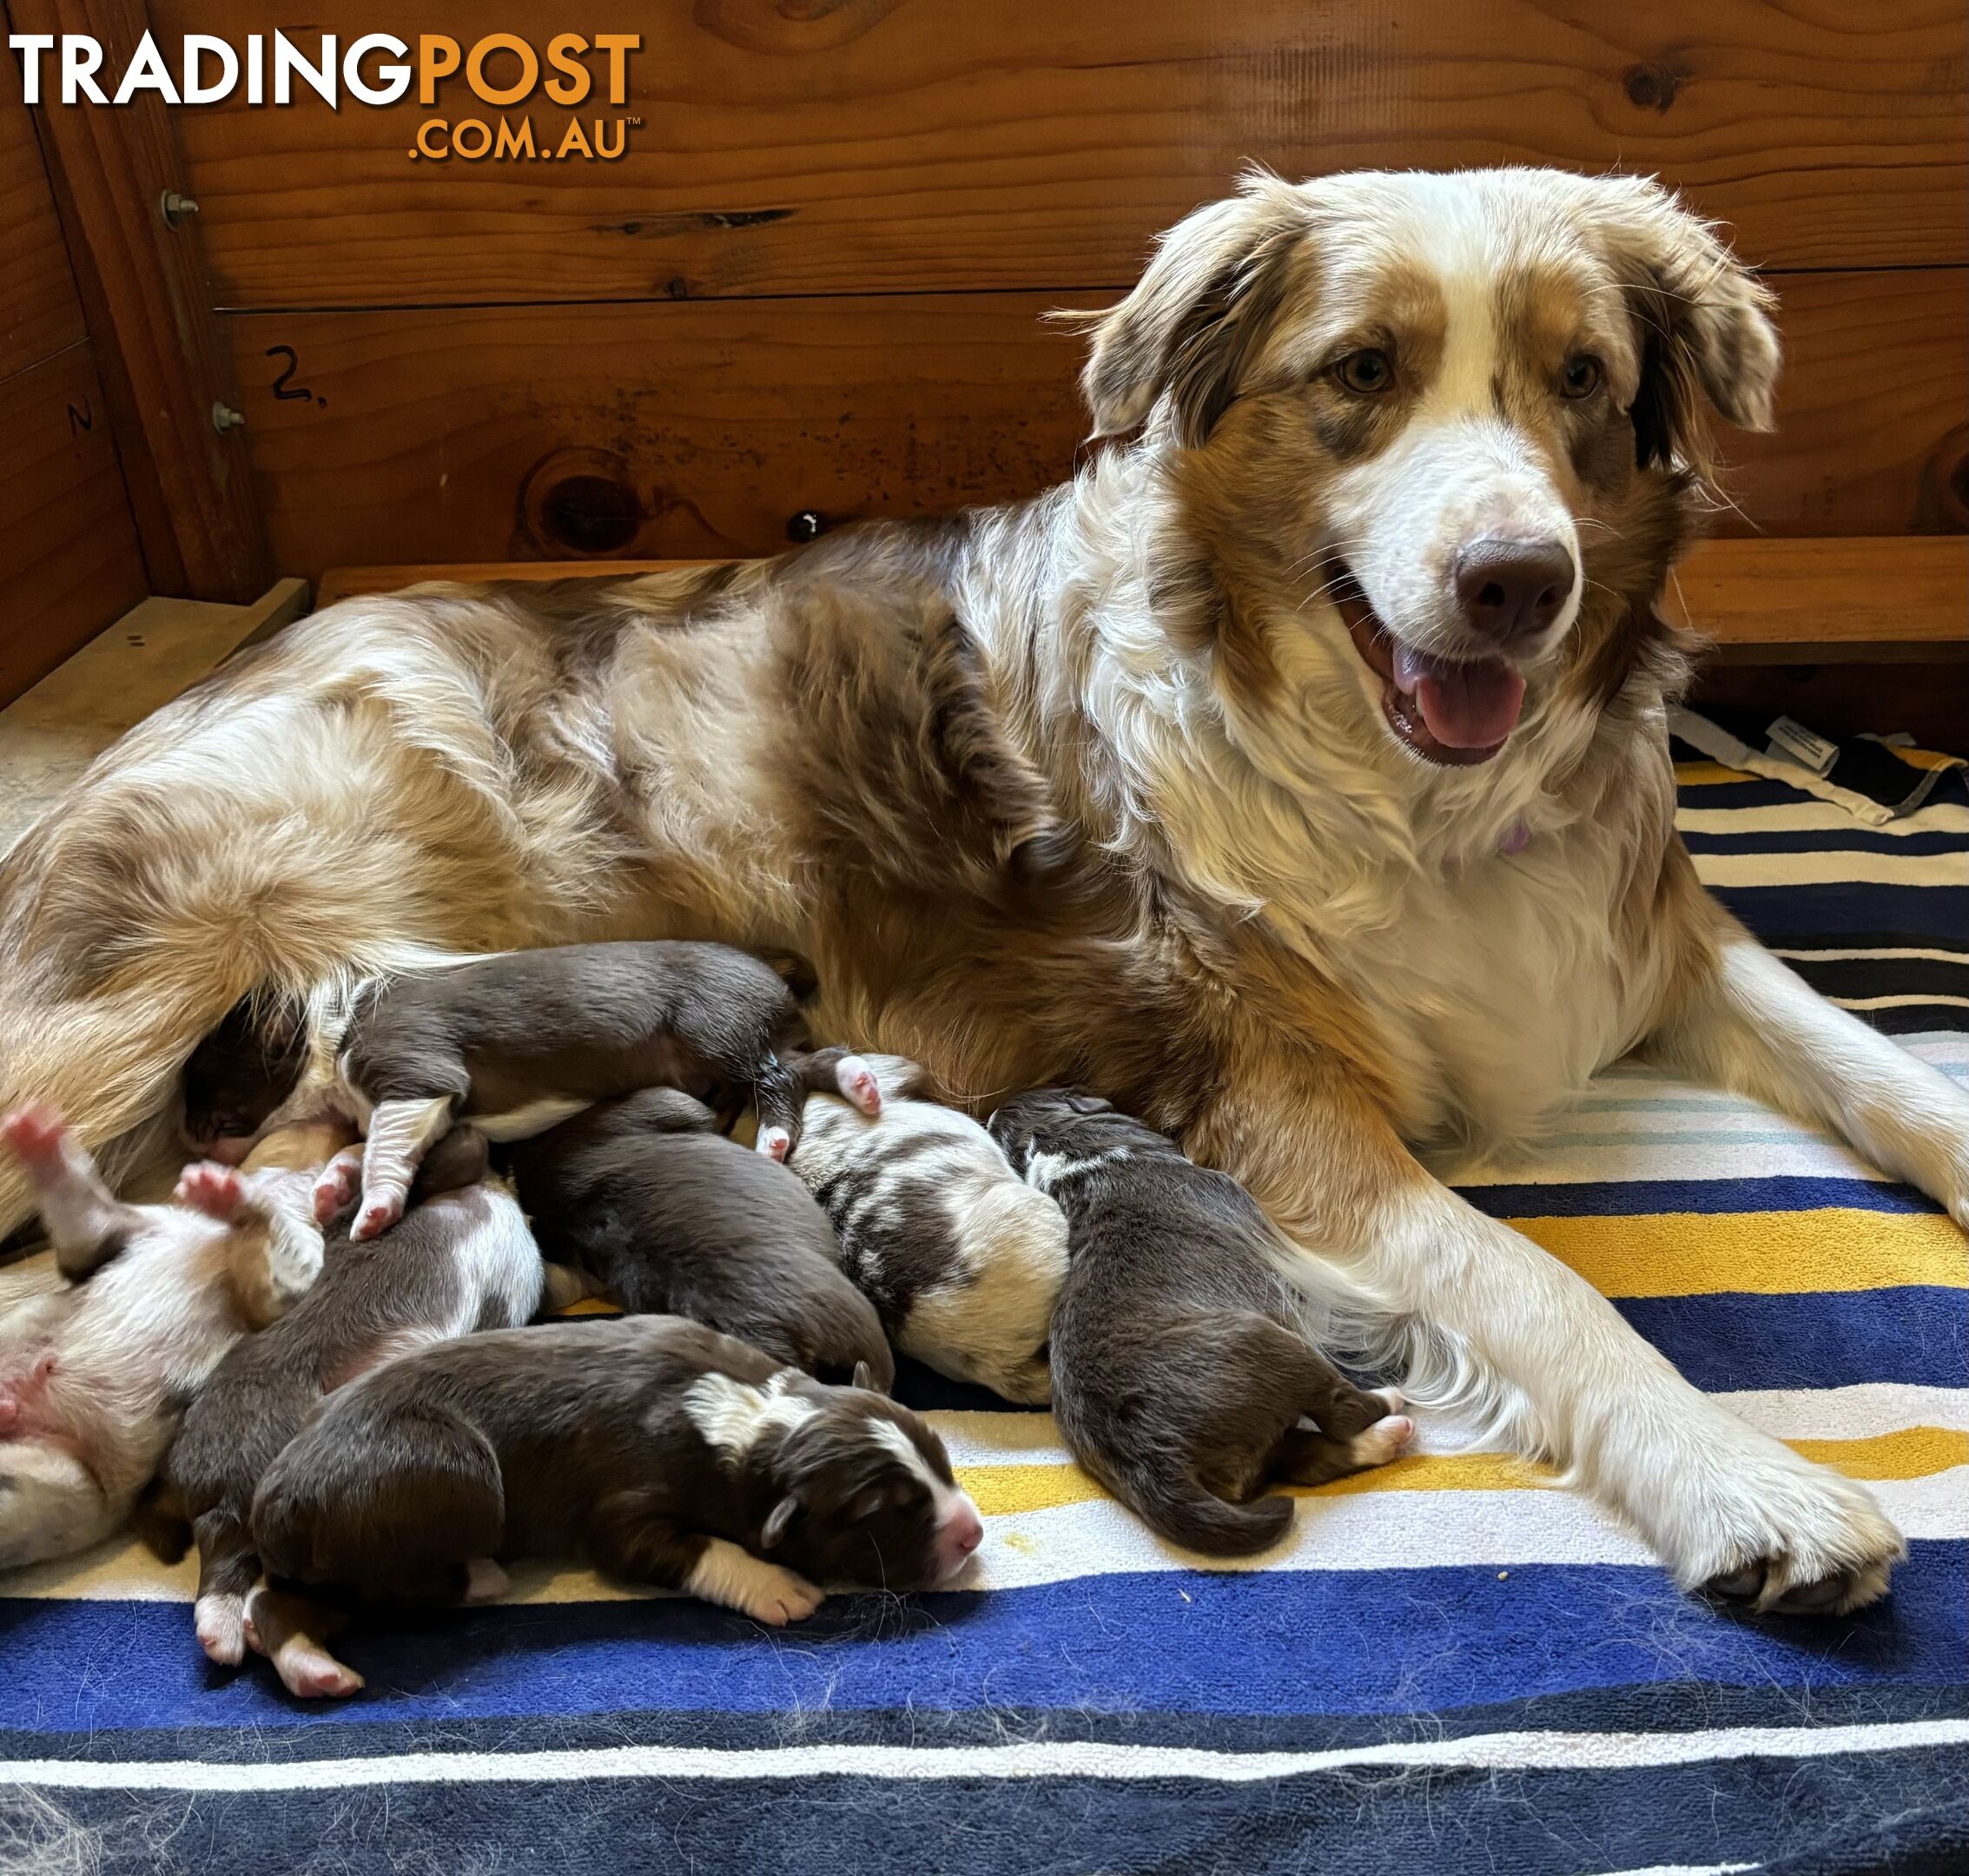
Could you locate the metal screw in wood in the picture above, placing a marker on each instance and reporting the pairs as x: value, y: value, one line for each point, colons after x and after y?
x: 226, y: 419
x: 176, y: 209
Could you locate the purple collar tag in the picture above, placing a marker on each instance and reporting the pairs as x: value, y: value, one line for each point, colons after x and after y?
x: 1517, y: 840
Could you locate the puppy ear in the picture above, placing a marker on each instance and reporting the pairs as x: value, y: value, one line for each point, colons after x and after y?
x: 1702, y: 320
x: 1198, y: 314
x: 778, y: 1522
x: 864, y: 1377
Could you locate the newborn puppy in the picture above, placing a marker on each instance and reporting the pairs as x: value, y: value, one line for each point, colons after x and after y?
x: 655, y: 1448
x: 460, y: 1261
x: 964, y: 1258
x: 519, y: 1041
x: 1177, y: 1379
x: 237, y: 1076
x: 647, y: 1198
x: 94, y: 1374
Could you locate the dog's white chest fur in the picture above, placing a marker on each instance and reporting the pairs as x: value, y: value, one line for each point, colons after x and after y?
x: 1502, y: 986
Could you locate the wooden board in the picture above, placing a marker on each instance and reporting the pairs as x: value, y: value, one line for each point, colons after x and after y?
x: 69, y: 559
x: 871, y: 145
x: 1761, y: 602
x: 39, y: 312
x: 143, y: 292
x: 701, y: 429
x: 1841, y: 600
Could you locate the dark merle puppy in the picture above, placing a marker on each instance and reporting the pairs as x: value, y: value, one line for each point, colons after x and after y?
x: 1178, y: 1378
x: 649, y: 1199
x: 652, y: 1448
x: 517, y: 1042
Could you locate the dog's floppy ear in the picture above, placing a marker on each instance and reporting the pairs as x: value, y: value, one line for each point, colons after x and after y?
x: 1702, y: 320
x: 1197, y: 316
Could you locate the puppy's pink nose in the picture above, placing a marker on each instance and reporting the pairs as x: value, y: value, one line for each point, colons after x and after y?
x: 963, y: 1530
x: 1512, y: 589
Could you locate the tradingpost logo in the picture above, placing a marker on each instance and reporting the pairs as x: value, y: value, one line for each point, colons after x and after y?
x: 489, y: 82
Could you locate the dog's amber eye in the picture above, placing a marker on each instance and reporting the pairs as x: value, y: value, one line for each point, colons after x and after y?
x: 1581, y: 377
x: 1365, y: 372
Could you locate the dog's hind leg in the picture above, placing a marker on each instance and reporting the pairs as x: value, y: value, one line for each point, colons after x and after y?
x: 227, y: 1568
x: 293, y: 1634
x: 400, y: 1133
x: 87, y: 1224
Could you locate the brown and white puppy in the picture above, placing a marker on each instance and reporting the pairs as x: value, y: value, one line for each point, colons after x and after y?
x: 963, y: 1258
x: 96, y: 1373
x: 654, y: 1448
x: 1179, y: 1378
x: 672, y: 1219
x: 459, y: 1261
x: 515, y: 1043
x: 1204, y: 780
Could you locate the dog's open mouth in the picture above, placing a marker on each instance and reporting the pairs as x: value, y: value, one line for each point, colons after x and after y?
x: 1455, y: 711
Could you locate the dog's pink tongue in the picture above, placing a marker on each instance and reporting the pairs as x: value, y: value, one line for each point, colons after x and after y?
x: 1465, y: 706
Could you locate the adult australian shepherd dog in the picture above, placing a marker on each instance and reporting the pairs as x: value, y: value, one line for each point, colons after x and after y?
x: 1295, y: 777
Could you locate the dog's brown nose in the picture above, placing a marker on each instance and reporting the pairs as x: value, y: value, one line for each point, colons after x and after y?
x: 1512, y: 589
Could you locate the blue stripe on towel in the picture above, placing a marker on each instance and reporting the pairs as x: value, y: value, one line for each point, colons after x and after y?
x: 1289, y: 1643
x: 1639, y: 1197
x: 1847, y: 1812
x: 1830, y: 912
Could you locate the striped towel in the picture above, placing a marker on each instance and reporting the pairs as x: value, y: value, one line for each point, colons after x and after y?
x: 1449, y: 1667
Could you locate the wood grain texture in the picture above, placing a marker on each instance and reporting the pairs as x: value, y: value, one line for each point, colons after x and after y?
x: 912, y: 145
x: 39, y: 312
x: 69, y: 558
x: 143, y: 292
x: 699, y: 429
x: 1837, y: 600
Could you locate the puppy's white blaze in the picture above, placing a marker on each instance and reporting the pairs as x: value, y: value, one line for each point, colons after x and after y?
x: 536, y: 1117
x: 949, y: 1499
x: 734, y: 1578
x: 1047, y: 1170
x: 731, y: 1416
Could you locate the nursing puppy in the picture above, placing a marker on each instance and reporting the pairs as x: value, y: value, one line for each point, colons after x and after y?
x: 654, y: 1448
x: 647, y: 1197
x: 1177, y: 1379
x: 963, y: 1258
x: 519, y: 1041
x: 94, y: 1374
x: 459, y: 1261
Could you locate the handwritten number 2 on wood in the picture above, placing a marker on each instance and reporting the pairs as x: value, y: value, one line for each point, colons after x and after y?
x: 281, y: 388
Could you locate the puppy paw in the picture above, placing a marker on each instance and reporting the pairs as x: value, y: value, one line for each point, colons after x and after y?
x: 858, y: 1085
x: 217, y: 1191
x: 337, y: 1184
x: 485, y: 1582
x: 774, y: 1142
x: 35, y: 1132
x: 221, y: 1625
x: 778, y: 1598
x: 375, y: 1218
x: 1382, y: 1441
x: 308, y: 1671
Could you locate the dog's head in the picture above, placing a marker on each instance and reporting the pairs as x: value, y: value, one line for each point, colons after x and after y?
x: 868, y: 1494
x: 1439, y: 417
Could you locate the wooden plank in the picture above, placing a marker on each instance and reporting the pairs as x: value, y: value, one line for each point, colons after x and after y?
x: 39, y: 312
x: 144, y: 291
x: 872, y: 146
x: 69, y: 558
x: 698, y: 429
x: 154, y: 651
x: 1761, y: 602
x: 1767, y: 602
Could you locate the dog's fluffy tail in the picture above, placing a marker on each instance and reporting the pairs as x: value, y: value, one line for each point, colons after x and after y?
x: 1176, y: 1507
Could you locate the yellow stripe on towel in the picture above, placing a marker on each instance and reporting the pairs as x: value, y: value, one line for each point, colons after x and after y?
x: 1695, y: 773
x: 1914, y: 1452
x: 1765, y: 1253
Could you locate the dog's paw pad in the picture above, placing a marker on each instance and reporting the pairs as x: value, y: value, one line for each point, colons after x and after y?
x: 309, y: 1672
x: 858, y: 1085
x: 774, y: 1142
x: 375, y: 1218
x: 222, y: 1630
x: 35, y: 1132
x: 1382, y: 1441
x: 217, y: 1191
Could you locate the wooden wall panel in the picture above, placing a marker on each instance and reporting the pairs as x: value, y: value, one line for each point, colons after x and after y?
x: 39, y: 313
x: 69, y: 558
x: 910, y: 145
x: 692, y: 429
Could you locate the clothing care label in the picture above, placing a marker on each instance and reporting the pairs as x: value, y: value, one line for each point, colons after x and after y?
x: 1804, y: 746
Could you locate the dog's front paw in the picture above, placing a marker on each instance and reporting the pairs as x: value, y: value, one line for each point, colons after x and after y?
x: 777, y: 1596
x: 1756, y: 1523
